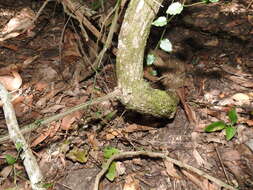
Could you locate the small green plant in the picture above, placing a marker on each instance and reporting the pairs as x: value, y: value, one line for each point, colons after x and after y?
x: 174, y: 9
x: 11, y: 161
x: 230, y: 128
x: 108, y: 153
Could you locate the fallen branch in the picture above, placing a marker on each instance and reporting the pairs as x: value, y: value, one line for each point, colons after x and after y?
x: 131, y: 154
x: 29, y: 161
x: 41, y: 122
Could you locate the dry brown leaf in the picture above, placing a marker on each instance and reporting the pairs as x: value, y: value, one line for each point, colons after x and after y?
x: 41, y: 138
x: 18, y: 24
x: 207, y: 185
x: 188, y: 110
x: 109, y: 136
x: 131, y: 183
x: 40, y: 86
x: 42, y: 101
x: 241, y: 81
x: 5, y: 172
x: 171, y: 170
x: 52, y: 109
x: 120, y: 168
x: 30, y: 60
x: 231, y: 155
x: 70, y: 46
x: 134, y: 128
x: 93, y: 141
x: 195, y: 179
x: 54, y: 127
x: 11, y: 83
x: 68, y: 120
x: 200, y: 160
x: 248, y: 121
x: 9, y: 46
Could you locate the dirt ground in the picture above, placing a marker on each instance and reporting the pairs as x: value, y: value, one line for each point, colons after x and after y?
x: 211, y: 68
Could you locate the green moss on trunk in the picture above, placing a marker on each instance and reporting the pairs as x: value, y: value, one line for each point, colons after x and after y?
x: 136, y: 93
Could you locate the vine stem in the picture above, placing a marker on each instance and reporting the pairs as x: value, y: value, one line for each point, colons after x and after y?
x: 132, y: 154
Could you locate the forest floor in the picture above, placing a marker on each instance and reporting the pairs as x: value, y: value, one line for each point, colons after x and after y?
x: 54, y: 62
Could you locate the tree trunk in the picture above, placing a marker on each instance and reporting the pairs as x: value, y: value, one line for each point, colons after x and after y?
x: 136, y: 93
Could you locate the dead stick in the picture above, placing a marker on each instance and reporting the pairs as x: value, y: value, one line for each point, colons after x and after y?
x: 156, y: 155
x: 48, y: 120
x: 29, y: 161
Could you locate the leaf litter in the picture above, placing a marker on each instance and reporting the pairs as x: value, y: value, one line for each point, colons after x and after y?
x: 52, y: 82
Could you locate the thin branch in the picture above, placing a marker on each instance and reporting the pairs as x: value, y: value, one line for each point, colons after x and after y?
x: 40, y: 122
x: 16, y: 136
x: 132, y: 154
x: 40, y: 10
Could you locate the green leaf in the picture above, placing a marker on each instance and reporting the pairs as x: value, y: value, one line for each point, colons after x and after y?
x: 233, y: 116
x: 78, y: 154
x: 111, y: 174
x: 230, y: 132
x: 47, y: 185
x: 110, y: 115
x: 166, y: 45
x: 96, y: 4
x: 19, y: 146
x: 10, y: 159
x: 160, y: 21
x: 215, y: 126
x: 154, y: 72
x: 109, y: 152
x: 175, y: 8
x: 150, y: 59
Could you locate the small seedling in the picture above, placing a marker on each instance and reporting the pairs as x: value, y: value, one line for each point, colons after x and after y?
x: 230, y: 128
x: 108, y: 153
x: 174, y: 9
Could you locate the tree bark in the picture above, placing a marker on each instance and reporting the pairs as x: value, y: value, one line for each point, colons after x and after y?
x: 136, y: 93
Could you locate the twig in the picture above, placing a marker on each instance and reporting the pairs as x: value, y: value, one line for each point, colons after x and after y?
x: 40, y: 10
x: 156, y: 155
x: 108, y: 42
x: 16, y: 136
x: 222, y: 165
x: 48, y: 120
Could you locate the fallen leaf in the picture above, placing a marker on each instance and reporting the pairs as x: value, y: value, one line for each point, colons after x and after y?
x: 171, y: 170
x: 68, y: 120
x: 78, y: 155
x: 120, y: 168
x: 196, y: 180
x: 134, y: 128
x: 41, y: 138
x: 200, y: 160
x: 9, y: 46
x: 54, y: 127
x: 92, y: 140
x: 11, y: 83
x: 241, y: 98
x: 40, y: 86
x: 131, y: 183
x: 18, y: 24
x: 52, y: 109
x: 5, y: 172
x: 188, y: 110
x: 30, y: 60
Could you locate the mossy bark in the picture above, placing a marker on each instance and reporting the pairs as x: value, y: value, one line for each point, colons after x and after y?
x: 136, y: 93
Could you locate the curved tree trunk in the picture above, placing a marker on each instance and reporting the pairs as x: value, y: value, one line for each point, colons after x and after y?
x: 136, y: 93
